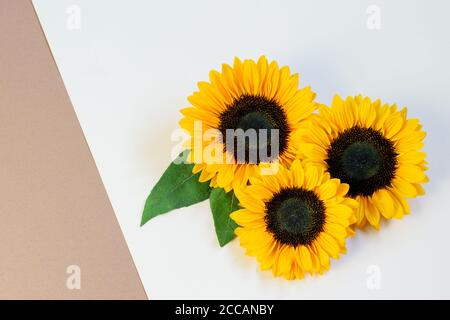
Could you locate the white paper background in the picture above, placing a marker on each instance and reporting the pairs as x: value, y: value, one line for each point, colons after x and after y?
x: 131, y: 64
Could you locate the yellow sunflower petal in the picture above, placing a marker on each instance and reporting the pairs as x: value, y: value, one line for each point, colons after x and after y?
x: 372, y: 214
x: 327, y: 190
x: 244, y: 217
x: 411, y: 173
x: 329, y: 244
x: 385, y: 204
x: 304, y: 258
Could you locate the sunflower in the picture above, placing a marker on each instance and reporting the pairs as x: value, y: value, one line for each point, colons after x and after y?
x: 248, y: 95
x: 375, y: 149
x: 295, y: 220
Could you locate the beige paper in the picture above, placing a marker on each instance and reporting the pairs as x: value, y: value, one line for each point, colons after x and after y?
x: 55, y: 217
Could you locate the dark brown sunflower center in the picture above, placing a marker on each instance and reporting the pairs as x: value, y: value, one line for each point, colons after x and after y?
x: 363, y: 158
x: 295, y: 216
x: 254, y: 129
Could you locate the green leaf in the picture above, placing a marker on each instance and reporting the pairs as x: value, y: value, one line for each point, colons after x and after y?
x: 178, y: 187
x: 222, y: 204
